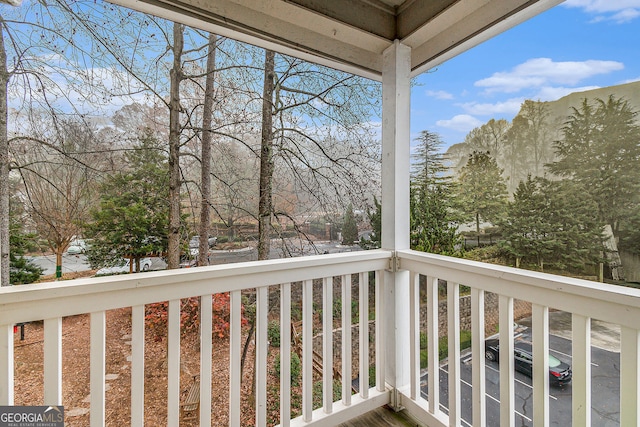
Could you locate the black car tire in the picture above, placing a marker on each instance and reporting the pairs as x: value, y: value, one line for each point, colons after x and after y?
x: 145, y: 267
x: 490, y: 355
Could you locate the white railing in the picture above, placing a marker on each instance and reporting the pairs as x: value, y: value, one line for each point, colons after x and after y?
x: 53, y: 301
x: 583, y: 299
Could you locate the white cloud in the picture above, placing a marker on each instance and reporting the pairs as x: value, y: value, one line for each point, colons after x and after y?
x: 540, y: 72
x: 631, y: 80
x: 439, y: 94
x: 460, y: 123
x: 626, y: 15
x: 510, y: 106
x: 601, y: 6
x: 554, y: 93
x: 619, y: 11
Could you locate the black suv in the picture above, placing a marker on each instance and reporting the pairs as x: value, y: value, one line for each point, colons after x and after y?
x: 559, y: 372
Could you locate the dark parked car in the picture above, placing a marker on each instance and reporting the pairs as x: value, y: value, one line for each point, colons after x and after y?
x: 559, y: 372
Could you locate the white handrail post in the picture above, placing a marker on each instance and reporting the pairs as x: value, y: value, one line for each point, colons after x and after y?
x: 6, y: 365
x: 98, y: 369
x: 363, y: 339
x: 173, y: 363
x: 327, y: 345
x: 414, y: 334
x: 581, y: 388
x: 507, y: 364
x: 433, y: 360
x: 53, y: 361
x: 206, y: 349
x: 396, y: 100
x: 235, y: 356
x: 307, y: 350
x: 262, y: 311
x: 477, y: 358
x: 137, y: 365
x: 346, y: 340
x: 453, y: 331
x: 629, y: 377
x: 285, y: 354
x: 540, y: 322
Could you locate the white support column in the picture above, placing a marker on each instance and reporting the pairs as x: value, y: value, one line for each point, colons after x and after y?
x: 396, y: 106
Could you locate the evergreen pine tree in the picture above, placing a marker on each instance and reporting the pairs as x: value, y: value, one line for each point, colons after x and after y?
x: 349, y: 228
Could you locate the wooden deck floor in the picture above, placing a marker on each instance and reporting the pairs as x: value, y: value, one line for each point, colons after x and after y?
x: 383, y: 417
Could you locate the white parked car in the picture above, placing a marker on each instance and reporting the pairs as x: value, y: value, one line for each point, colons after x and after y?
x: 145, y: 265
x: 77, y: 246
x: 75, y: 250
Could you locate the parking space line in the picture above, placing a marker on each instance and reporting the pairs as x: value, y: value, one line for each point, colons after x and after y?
x: 491, y: 397
x: 446, y: 411
x: 521, y: 382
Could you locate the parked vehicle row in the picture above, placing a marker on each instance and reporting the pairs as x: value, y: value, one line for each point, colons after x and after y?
x: 194, y: 244
x: 124, y: 268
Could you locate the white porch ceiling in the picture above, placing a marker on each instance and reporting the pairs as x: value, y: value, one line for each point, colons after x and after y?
x: 352, y: 34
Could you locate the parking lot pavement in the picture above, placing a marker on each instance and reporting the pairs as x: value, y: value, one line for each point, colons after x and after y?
x: 603, y: 335
x: 605, y: 385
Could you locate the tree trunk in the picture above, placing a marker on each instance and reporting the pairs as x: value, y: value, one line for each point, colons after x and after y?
x: 612, y: 255
x: 205, y: 216
x: 266, y: 175
x: 173, y: 256
x: 59, y: 251
x: 4, y: 165
x: 265, y: 207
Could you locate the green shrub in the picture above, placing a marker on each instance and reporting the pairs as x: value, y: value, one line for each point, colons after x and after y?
x: 296, y: 368
x: 443, y: 346
x: 273, y: 333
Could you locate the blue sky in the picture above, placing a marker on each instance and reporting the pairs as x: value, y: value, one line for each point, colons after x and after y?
x: 576, y: 46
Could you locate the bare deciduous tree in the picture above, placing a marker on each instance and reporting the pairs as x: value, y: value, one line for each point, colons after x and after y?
x: 205, y: 175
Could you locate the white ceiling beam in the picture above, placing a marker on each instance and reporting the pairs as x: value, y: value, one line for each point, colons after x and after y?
x: 351, y: 35
x: 466, y: 24
x: 279, y: 26
x: 373, y: 17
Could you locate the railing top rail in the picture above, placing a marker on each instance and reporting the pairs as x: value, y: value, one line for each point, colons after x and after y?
x: 613, y: 303
x: 65, y: 298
